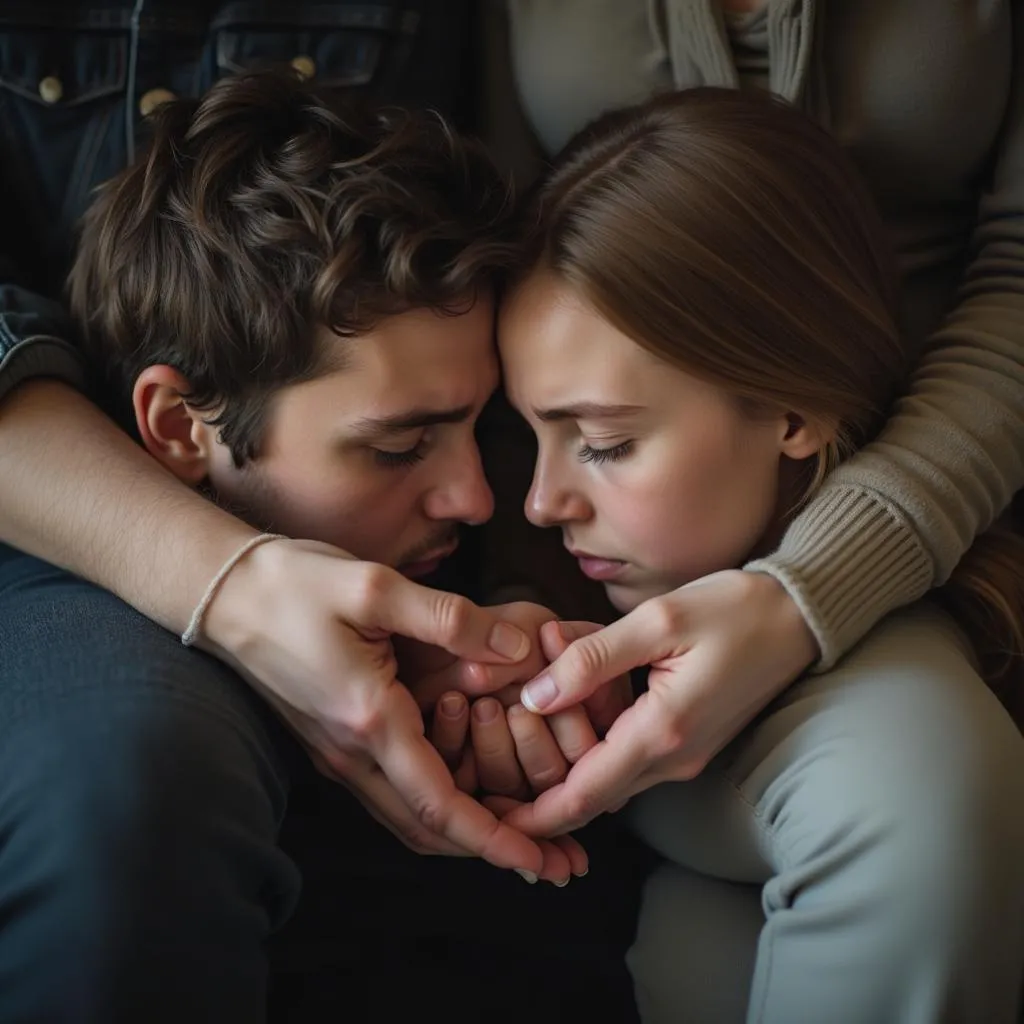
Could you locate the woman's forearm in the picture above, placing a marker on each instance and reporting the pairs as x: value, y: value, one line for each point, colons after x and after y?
x: 76, y: 491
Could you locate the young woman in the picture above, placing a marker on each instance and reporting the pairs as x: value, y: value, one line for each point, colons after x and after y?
x: 707, y: 328
x: 945, y: 162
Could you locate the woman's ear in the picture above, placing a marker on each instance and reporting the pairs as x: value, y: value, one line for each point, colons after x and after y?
x: 802, y: 437
x: 173, y: 433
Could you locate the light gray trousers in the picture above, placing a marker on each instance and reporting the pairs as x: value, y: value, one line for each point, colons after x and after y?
x: 855, y: 857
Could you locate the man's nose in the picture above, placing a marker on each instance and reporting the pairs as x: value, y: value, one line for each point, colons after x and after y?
x: 464, y: 495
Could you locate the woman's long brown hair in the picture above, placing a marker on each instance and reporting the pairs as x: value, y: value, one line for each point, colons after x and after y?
x: 730, y: 235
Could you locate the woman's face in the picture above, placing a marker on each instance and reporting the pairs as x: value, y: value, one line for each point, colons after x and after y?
x: 655, y: 477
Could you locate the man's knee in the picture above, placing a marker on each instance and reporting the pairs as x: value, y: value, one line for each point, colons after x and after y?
x: 138, y: 792
x: 139, y: 811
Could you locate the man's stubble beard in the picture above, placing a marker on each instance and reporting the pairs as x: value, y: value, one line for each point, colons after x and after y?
x: 261, y: 496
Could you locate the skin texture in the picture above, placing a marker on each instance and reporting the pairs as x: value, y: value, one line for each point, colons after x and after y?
x: 670, y: 490
x: 306, y: 624
x: 377, y: 457
x: 351, y: 457
x: 640, y: 464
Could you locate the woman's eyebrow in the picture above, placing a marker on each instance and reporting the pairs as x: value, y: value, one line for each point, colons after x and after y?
x: 585, y: 411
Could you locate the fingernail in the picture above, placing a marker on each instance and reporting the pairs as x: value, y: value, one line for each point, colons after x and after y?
x: 451, y: 706
x: 528, y: 875
x: 539, y: 694
x: 486, y: 710
x: 509, y: 642
x: 583, y: 873
x: 562, y: 884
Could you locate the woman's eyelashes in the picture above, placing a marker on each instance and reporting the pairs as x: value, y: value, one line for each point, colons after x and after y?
x: 598, y: 455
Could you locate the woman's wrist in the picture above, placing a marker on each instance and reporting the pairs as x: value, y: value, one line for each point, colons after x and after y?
x: 787, y: 618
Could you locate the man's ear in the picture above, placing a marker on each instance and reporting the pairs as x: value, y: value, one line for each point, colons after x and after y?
x: 802, y: 437
x: 173, y: 433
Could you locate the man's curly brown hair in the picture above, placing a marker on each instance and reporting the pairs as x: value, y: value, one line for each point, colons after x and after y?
x: 263, y: 211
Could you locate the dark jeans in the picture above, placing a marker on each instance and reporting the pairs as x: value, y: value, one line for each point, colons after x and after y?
x: 147, y: 859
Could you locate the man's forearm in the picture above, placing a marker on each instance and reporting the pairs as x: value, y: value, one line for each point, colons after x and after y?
x: 76, y: 491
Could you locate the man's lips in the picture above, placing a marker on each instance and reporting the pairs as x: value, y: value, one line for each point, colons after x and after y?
x: 596, y: 567
x: 429, y: 562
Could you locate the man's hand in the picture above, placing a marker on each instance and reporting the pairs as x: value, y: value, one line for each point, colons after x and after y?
x: 311, y: 627
x: 492, y: 753
x: 520, y: 754
x: 511, y: 752
x: 719, y: 649
x: 508, y: 753
x: 503, y: 751
x: 430, y: 670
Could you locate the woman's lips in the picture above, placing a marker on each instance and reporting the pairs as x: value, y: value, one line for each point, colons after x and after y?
x: 597, y: 568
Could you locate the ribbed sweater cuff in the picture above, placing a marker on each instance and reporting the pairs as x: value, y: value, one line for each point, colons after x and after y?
x: 848, y: 559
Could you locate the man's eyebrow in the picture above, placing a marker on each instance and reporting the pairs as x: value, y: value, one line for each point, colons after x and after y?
x: 586, y: 411
x: 399, y: 423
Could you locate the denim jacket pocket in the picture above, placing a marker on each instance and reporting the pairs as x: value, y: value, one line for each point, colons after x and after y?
x: 60, y: 94
x: 337, y: 44
x: 41, y: 68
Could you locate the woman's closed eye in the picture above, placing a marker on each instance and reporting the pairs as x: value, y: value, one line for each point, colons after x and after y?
x: 588, y: 453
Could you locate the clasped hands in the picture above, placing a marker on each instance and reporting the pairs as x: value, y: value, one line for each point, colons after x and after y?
x: 718, y: 650
x: 496, y: 749
x: 317, y: 633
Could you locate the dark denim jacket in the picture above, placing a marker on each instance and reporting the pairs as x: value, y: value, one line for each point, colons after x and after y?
x: 76, y: 79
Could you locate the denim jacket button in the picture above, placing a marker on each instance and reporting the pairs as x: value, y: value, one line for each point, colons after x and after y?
x: 51, y: 89
x: 305, y: 66
x: 153, y: 99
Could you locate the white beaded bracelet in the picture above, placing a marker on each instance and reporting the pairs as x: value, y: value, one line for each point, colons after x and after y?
x: 191, y: 634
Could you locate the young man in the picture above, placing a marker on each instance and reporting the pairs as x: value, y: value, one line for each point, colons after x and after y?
x: 290, y: 301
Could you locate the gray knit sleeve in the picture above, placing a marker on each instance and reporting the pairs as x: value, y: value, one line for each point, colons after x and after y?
x: 894, y: 520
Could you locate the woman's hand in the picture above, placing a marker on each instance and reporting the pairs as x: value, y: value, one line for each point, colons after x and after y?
x: 719, y: 649
x: 509, y: 753
x: 429, y: 671
x: 499, y: 747
x: 519, y: 754
x: 479, y: 747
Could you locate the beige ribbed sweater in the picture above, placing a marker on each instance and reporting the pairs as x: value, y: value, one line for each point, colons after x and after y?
x: 928, y: 97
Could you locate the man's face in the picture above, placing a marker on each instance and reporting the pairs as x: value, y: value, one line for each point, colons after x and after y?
x: 379, y: 457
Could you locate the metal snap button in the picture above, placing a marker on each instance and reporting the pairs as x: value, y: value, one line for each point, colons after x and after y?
x: 305, y: 66
x: 153, y: 99
x: 51, y: 89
